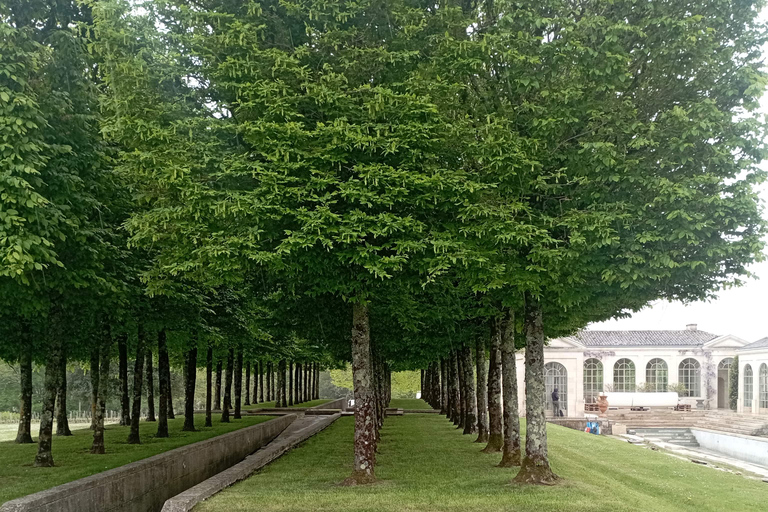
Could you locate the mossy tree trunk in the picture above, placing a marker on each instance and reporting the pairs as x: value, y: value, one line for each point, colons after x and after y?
x: 150, y: 386
x: 94, y: 363
x: 470, y: 425
x: 247, y: 400
x: 44, y: 457
x: 365, y: 420
x: 62, y: 421
x: 495, y: 420
x: 228, y: 386
x: 190, y: 379
x: 24, y: 433
x: 104, y: 356
x: 290, y: 383
x: 164, y: 383
x: 261, y: 381
x: 138, y: 377
x: 209, y: 386
x: 443, y: 386
x: 238, y: 378
x: 217, y: 396
x: 481, y: 391
x: 535, y: 468
x: 511, y: 451
x: 125, y: 404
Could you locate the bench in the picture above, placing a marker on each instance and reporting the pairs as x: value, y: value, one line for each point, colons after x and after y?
x: 682, y: 407
x: 639, y: 409
x: 591, y: 408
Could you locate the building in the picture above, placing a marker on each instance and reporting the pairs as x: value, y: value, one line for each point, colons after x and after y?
x: 753, y: 377
x: 694, y: 363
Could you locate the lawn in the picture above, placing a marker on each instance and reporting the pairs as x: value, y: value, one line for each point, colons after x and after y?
x: 425, y: 464
x: 71, y: 454
x: 409, y: 403
x: 262, y: 405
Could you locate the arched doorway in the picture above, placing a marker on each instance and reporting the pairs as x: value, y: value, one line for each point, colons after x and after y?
x: 556, y: 377
x: 724, y: 383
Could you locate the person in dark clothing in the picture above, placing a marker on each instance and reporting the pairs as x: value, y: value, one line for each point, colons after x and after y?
x: 556, y: 402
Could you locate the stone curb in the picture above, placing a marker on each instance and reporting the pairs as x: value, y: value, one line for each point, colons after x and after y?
x: 187, y: 500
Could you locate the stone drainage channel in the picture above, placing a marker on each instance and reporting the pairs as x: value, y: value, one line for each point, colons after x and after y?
x: 304, y: 427
x: 178, y: 479
x: 729, y: 452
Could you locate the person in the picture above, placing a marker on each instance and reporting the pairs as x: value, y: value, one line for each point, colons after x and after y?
x: 556, y: 402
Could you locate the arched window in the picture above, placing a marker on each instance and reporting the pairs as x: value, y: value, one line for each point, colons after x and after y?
x: 763, y: 386
x: 657, y: 375
x: 624, y: 375
x: 725, y: 364
x: 689, y: 375
x: 556, y: 377
x: 748, y: 389
x: 593, y: 380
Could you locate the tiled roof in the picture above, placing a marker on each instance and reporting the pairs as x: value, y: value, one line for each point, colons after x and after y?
x: 763, y: 343
x: 684, y: 338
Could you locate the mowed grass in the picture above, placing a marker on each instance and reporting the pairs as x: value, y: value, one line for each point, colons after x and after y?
x: 71, y: 454
x: 409, y: 403
x: 425, y: 464
x: 268, y: 405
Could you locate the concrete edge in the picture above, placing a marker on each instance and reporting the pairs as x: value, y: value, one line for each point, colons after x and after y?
x: 91, y: 481
x: 188, y: 499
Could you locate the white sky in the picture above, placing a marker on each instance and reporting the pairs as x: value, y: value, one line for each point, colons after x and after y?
x: 742, y: 311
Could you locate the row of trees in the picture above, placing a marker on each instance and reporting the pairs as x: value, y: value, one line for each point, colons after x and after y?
x: 435, y: 179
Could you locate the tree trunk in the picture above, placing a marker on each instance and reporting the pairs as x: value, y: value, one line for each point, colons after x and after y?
x: 455, y: 389
x: 443, y: 386
x: 97, y: 447
x: 470, y: 427
x: 290, y: 383
x: 269, y: 382
x: 190, y: 379
x: 495, y: 423
x: 317, y: 381
x: 208, y: 378
x: 535, y: 469
x: 282, y: 400
x: 228, y: 386
x: 297, y: 384
x: 255, y: 383
x: 24, y: 434
x: 238, y: 383
x: 462, y: 390
x: 94, y: 362
x: 306, y: 383
x: 44, y: 457
x: 165, y: 384
x: 62, y: 421
x: 247, y: 384
x: 362, y: 375
x: 217, y: 396
x: 138, y: 377
x: 511, y: 451
x: 150, y: 386
x: 171, y: 414
x: 125, y: 404
x: 482, y: 392
x: 261, y: 381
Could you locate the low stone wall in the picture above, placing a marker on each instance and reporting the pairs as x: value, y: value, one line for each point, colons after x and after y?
x: 581, y: 424
x: 341, y: 403
x: 145, y: 485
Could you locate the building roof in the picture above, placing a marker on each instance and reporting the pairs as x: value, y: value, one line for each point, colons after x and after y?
x: 683, y: 338
x: 762, y: 343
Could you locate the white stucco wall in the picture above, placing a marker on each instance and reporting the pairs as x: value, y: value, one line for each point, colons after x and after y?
x: 746, y: 448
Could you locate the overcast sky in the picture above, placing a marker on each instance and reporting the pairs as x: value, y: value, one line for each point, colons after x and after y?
x: 742, y: 311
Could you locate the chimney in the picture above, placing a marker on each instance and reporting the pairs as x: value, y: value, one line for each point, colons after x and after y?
x: 691, y: 327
